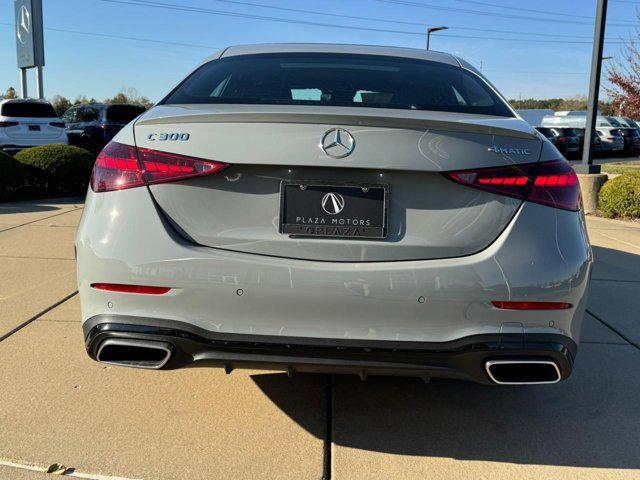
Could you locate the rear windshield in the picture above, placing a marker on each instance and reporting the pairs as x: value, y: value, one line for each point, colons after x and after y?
x: 629, y: 132
x: 574, y: 132
x: 614, y: 132
x: 123, y: 113
x: 28, y: 109
x: 339, y: 80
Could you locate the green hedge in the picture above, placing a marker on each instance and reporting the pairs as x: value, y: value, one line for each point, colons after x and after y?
x: 620, y: 197
x: 11, y: 175
x: 57, y: 168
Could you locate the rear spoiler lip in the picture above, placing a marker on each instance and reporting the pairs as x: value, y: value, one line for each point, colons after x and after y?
x: 482, y: 124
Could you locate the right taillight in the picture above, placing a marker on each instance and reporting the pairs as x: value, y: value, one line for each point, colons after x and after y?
x: 122, y: 166
x: 549, y: 183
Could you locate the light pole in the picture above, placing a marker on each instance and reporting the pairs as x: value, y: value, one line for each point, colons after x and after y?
x: 587, y: 166
x: 433, y: 29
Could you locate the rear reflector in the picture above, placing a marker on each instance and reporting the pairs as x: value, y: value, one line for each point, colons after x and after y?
x: 531, y: 305
x: 123, y: 166
x: 548, y: 183
x: 141, y: 289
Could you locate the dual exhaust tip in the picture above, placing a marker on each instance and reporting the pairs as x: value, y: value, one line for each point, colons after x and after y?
x: 523, y: 372
x: 155, y: 355
x: 134, y: 353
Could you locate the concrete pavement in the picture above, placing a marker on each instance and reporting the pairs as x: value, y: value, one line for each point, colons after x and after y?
x: 57, y: 406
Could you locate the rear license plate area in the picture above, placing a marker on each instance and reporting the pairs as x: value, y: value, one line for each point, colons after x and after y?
x: 34, y: 128
x: 333, y: 211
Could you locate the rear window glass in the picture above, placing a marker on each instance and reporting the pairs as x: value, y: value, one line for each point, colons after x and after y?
x: 28, y: 109
x: 574, y: 132
x: 339, y: 80
x: 123, y: 113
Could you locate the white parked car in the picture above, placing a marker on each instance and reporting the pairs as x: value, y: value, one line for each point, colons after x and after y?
x: 612, y: 139
x: 28, y: 123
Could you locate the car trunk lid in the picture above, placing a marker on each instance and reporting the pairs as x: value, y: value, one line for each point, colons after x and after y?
x: 427, y: 216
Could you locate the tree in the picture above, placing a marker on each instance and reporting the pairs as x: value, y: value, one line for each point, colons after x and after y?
x: 624, y: 77
x: 11, y: 93
x: 82, y: 99
x: 130, y: 95
x: 579, y: 102
x: 60, y: 104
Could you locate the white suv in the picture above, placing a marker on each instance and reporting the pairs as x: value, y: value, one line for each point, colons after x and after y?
x: 29, y: 123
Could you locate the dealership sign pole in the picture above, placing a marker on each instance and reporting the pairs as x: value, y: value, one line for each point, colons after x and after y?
x: 594, y: 89
x: 29, y: 42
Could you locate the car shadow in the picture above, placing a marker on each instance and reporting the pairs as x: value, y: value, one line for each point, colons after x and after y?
x: 590, y: 420
x: 40, y: 205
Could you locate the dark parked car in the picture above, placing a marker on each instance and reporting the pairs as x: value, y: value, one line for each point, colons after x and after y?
x: 92, y: 126
x: 546, y: 131
x: 631, y: 140
x: 568, y: 140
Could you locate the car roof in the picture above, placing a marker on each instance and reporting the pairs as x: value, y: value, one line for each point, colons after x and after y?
x: 414, y: 53
x: 23, y: 100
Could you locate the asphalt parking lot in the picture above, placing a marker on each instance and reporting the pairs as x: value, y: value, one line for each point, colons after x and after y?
x: 58, y: 406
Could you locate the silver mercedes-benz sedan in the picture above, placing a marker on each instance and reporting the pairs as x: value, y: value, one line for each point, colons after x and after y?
x: 332, y: 208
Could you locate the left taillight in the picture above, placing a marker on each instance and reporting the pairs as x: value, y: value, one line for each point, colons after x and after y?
x: 122, y: 166
x: 57, y: 124
x: 549, y: 183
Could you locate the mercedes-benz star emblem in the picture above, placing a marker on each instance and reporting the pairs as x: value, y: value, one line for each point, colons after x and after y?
x: 332, y: 203
x: 23, y: 26
x: 337, y: 143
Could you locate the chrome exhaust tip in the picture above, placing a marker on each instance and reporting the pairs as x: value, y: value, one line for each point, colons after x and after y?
x: 134, y: 353
x: 523, y: 372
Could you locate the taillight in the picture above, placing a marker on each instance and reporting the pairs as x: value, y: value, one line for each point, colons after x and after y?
x: 548, y: 183
x: 123, y: 166
x: 57, y: 124
x: 8, y: 124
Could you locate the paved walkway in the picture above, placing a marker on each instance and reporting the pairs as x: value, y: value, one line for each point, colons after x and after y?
x: 57, y: 406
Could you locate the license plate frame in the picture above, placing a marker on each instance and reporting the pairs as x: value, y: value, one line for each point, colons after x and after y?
x: 377, y: 230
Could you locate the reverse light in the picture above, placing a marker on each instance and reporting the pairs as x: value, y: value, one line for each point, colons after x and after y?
x: 122, y: 288
x: 122, y: 166
x: 531, y: 305
x: 549, y: 183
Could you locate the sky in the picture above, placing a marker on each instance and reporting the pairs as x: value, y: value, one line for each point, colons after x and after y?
x: 527, y: 48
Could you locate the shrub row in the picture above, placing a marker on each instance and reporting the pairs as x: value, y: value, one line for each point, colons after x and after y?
x: 46, y: 170
x: 620, y: 197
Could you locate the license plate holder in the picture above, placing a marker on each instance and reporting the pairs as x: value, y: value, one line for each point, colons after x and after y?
x: 316, y: 209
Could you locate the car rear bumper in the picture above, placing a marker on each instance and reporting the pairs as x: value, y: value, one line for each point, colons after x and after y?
x: 9, y: 145
x: 543, y: 255
x: 464, y: 358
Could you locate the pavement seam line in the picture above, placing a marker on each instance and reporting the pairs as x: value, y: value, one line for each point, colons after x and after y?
x: 72, y: 473
x: 613, y: 329
x: 328, y: 436
x: 620, y: 241
x: 36, y: 316
x: 614, y: 280
x: 34, y: 221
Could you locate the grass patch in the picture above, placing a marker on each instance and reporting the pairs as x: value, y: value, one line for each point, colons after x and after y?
x: 622, y: 167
